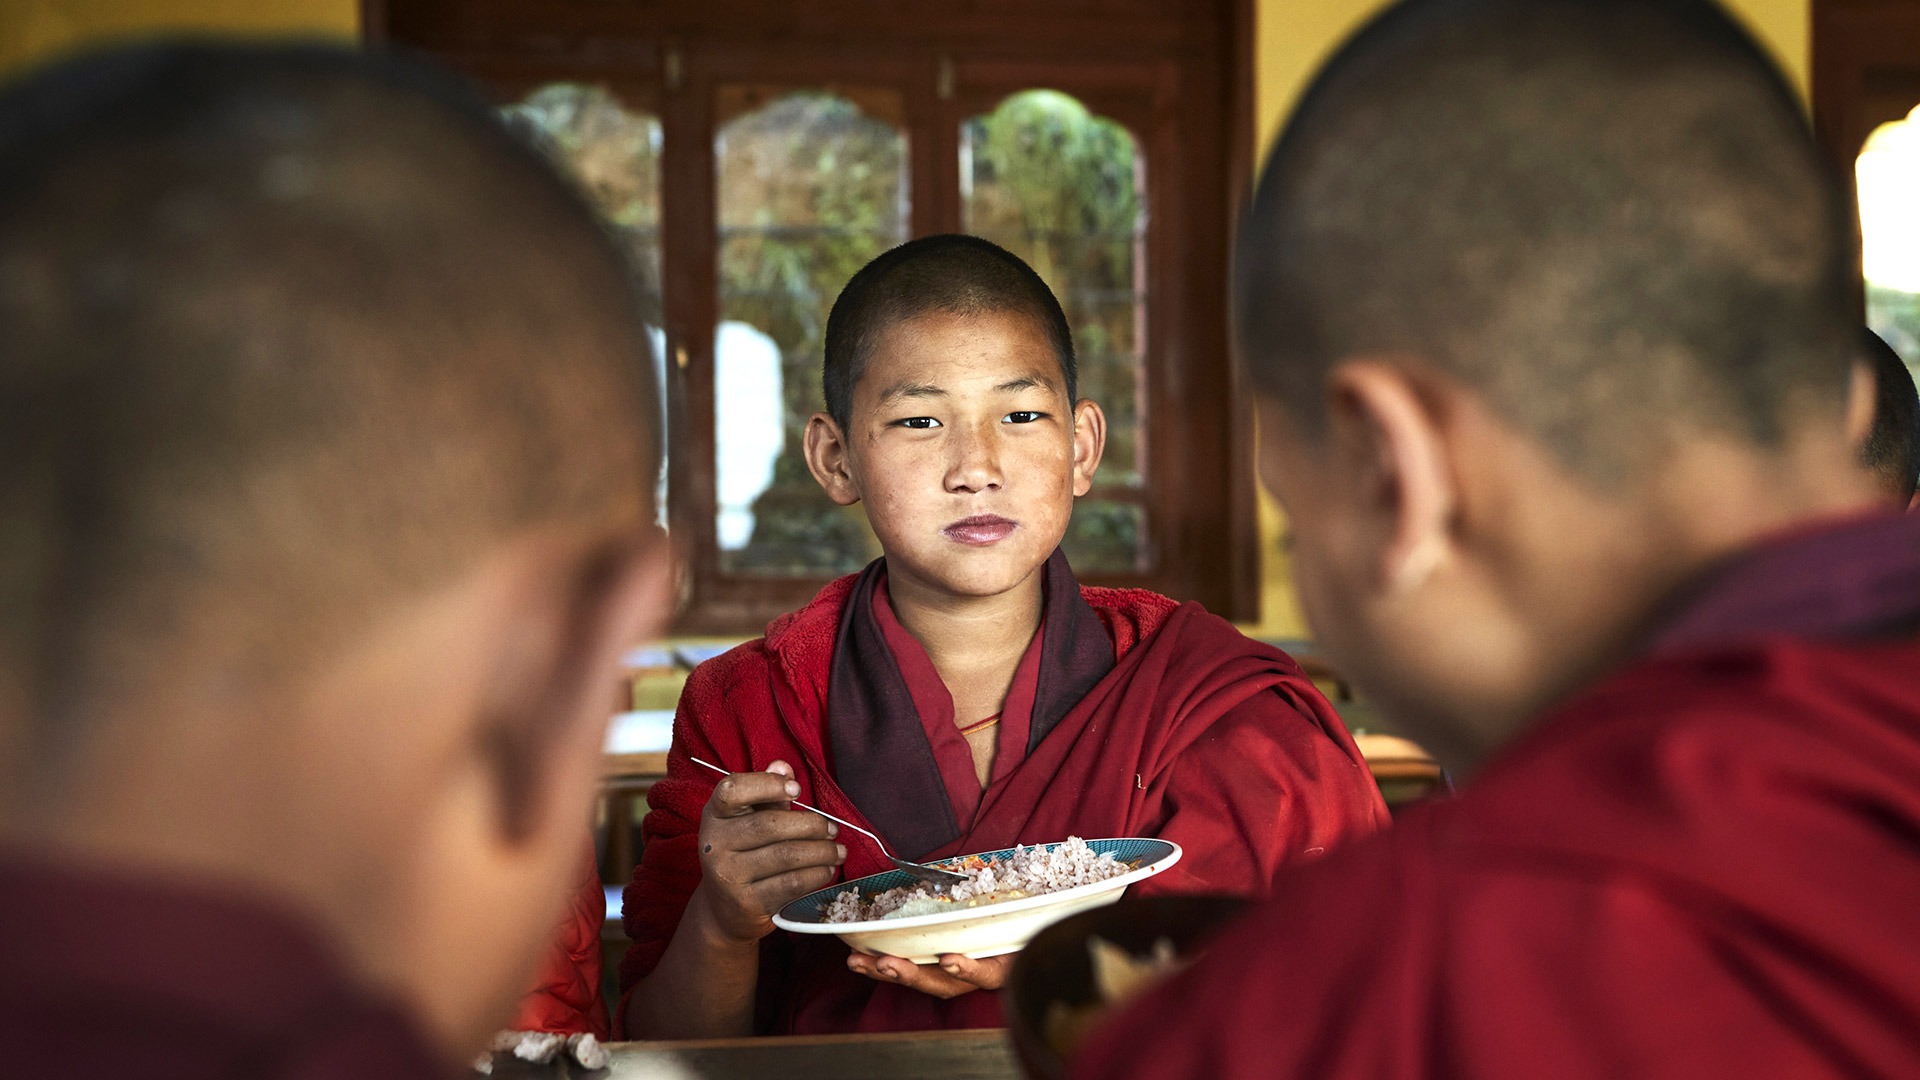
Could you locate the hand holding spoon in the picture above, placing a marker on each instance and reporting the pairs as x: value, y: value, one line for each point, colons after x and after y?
x: 941, y: 879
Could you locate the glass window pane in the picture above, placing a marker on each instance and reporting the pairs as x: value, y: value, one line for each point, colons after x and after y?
x: 811, y: 185
x: 1105, y: 535
x: 1065, y: 190
x: 613, y: 153
x: 1888, y: 172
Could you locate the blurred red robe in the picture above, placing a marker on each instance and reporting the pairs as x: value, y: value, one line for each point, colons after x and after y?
x: 1151, y: 718
x: 566, y: 993
x: 1706, y: 865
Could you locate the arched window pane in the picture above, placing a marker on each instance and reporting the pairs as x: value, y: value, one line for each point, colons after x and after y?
x: 1888, y: 172
x: 1065, y: 190
x: 613, y: 153
x: 811, y: 186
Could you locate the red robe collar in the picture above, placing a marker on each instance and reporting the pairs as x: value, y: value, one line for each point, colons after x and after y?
x: 881, y: 754
x: 932, y: 699
x: 800, y: 650
x: 1848, y: 577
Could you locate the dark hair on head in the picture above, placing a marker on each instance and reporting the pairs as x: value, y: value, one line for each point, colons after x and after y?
x: 1609, y: 217
x: 1892, y: 448
x: 948, y: 274
x: 290, y: 331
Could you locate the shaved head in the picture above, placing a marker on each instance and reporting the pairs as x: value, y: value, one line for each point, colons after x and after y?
x: 1892, y: 448
x: 289, y: 333
x: 948, y: 274
x: 1608, y: 217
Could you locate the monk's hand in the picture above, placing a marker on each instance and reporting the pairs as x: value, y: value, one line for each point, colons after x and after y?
x: 757, y: 853
x: 949, y: 977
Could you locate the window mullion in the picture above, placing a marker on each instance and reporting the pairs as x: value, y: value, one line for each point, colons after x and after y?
x: 690, y: 283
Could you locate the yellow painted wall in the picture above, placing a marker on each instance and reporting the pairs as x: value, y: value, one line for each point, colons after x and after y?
x: 31, y: 30
x: 1294, y: 38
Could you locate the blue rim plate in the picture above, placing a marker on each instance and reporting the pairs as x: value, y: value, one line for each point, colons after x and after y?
x: 806, y: 915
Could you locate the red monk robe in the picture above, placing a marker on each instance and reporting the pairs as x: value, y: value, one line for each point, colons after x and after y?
x: 113, y: 974
x: 1707, y: 865
x: 1148, y: 718
x: 566, y: 994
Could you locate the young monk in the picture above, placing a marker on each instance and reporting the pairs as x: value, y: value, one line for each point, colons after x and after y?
x: 963, y: 693
x: 1891, y: 450
x: 324, y: 469
x: 1548, y: 306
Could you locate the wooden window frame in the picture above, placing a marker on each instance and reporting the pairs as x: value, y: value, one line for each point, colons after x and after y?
x: 1176, y: 73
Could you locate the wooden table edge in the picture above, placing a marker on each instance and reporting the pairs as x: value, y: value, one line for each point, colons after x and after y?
x: 652, y: 763
x: 852, y: 1038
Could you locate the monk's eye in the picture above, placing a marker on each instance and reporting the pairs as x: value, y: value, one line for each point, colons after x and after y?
x: 1023, y: 417
x: 918, y: 422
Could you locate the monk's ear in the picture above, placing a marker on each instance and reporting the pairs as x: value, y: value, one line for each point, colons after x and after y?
x: 828, y: 460
x: 557, y: 680
x: 1089, y: 443
x: 1390, y: 434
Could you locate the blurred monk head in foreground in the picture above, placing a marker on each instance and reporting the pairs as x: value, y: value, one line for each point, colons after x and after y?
x: 327, y: 440
x: 1891, y: 448
x: 1549, y: 304
x: 1542, y: 322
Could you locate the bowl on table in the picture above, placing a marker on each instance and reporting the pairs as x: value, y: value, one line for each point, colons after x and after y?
x: 989, y: 929
x: 1056, y: 968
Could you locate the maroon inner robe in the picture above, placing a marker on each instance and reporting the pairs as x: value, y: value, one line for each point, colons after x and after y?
x: 932, y: 700
x: 109, y: 975
x: 887, y: 766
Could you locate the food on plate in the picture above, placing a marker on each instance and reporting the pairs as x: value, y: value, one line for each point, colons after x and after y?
x: 1023, y: 872
x: 1117, y: 976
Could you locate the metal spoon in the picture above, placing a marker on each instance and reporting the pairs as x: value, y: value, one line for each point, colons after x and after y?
x: 941, y: 879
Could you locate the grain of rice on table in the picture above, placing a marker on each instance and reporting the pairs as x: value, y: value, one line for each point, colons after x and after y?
x: 1028, y: 871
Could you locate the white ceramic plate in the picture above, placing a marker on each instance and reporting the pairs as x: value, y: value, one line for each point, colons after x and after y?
x: 978, y: 932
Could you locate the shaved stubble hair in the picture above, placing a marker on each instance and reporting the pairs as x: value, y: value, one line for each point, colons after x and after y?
x: 290, y: 332
x: 947, y: 274
x: 1608, y: 217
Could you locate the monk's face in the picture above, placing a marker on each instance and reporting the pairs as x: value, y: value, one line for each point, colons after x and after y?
x: 487, y: 702
x: 965, y: 449
x: 1332, y: 550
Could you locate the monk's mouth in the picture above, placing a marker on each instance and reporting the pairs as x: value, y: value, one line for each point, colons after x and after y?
x: 980, y: 529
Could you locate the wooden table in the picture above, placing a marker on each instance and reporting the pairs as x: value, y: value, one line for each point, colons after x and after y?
x: 949, y: 1055
x: 651, y: 765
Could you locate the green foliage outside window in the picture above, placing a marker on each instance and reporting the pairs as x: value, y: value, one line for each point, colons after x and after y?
x: 1895, y: 316
x: 810, y: 190
x: 1061, y: 188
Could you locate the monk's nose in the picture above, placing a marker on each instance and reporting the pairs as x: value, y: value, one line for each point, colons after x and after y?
x: 976, y: 464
